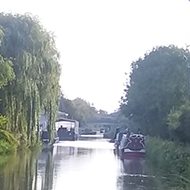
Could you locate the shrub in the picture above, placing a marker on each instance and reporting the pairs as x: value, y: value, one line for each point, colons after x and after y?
x: 6, y: 148
x: 170, y: 158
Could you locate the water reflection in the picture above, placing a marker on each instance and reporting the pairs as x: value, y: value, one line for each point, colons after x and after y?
x: 87, y: 168
x: 18, y: 173
x: 75, y: 165
x: 134, y: 166
x: 134, y: 176
x: 44, y: 171
x: 134, y: 182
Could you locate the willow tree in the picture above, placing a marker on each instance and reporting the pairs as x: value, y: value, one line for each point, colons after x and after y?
x: 7, y: 73
x: 35, y: 63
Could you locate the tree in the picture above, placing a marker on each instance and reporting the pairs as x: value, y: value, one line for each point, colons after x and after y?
x: 158, y: 83
x: 6, y: 76
x: 102, y: 113
x: 7, y: 73
x: 84, y: 110
x: 67, y: 106
x: 77, y: 109
x: 179, y: 123
x: 36, y: 85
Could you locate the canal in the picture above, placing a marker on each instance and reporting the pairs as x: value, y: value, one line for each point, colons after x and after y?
x: 85, y: 164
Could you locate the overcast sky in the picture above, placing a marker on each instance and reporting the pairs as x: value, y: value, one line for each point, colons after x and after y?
x: 98, y: 39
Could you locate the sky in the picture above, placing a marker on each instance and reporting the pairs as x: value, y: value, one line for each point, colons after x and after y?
x: 99, y: 39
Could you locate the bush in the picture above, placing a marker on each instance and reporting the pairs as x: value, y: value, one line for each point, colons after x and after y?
x: 8, y: 137
x: 8, y: 142
x: 170, y: 158
x: 6, y: 148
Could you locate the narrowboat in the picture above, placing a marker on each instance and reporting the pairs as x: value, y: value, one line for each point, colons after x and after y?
x: 131, y: 146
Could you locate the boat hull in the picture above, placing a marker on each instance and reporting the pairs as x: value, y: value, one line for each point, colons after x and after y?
x: 127, y: 153
x: 130, y: 146
x: 134, y: 165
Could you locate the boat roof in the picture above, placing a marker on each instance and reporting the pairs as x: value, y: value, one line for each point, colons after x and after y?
x: 133, y: 135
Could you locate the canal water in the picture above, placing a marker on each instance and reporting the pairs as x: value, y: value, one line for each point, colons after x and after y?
x: 87, y: 164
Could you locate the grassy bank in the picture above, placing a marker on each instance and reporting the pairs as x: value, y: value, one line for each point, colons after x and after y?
x: 171, y: 160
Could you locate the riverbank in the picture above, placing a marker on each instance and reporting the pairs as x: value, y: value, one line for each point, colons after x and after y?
x: 172, y: 159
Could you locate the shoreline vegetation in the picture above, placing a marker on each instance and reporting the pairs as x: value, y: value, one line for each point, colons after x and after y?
x: 171, y: 161
x: 9, y: 149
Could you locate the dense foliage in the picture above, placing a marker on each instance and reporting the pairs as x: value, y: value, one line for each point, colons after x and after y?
x: 157, y: 96
x: 30, y: 75
x: 171, y: 161
x: 77, y: 109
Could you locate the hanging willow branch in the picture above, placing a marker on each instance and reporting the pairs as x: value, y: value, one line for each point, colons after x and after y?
x: 36, y: 85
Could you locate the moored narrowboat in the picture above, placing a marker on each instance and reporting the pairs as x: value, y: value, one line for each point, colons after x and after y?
x: 131, y: 146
